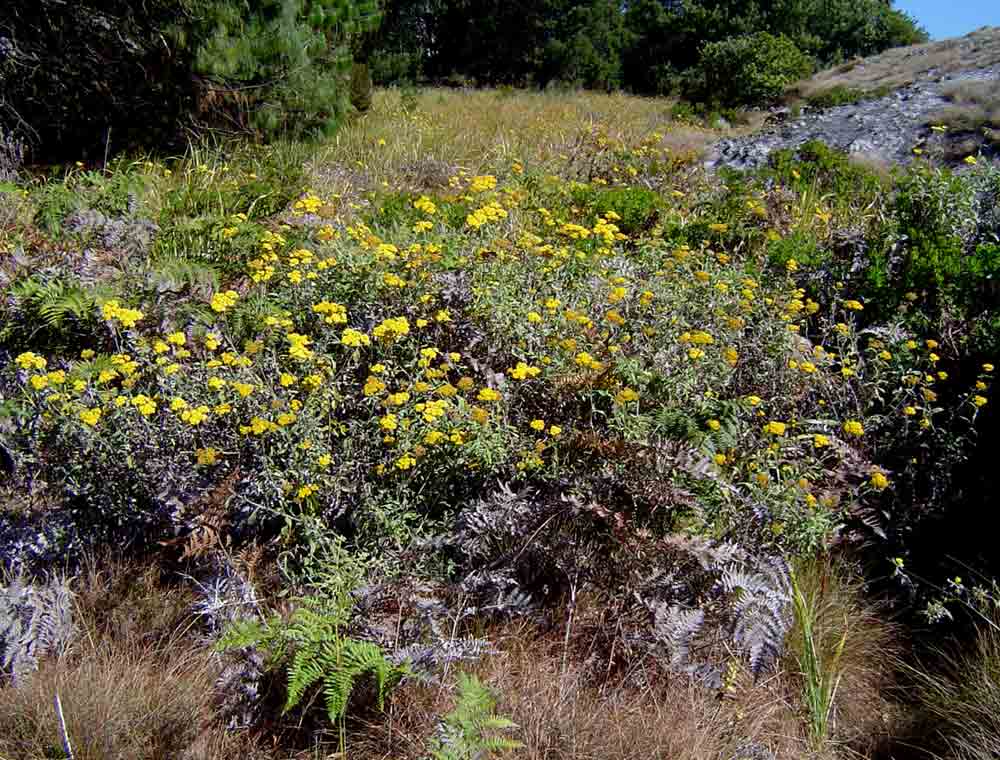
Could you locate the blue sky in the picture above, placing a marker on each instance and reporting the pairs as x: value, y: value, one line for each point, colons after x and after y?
x: 952, y: 18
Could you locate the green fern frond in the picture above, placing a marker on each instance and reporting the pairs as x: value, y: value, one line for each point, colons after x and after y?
x: 472, y: 729
x: 178, y: 274
x: 241, y: 634
x: 56, y: 304
x: 320, y: 656
x: 309, y: 666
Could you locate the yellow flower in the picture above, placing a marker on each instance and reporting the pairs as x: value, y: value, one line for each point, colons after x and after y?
x: 389, y: 422
x: 714, y: 424
x: 909, y: 411
x: 979, y: 400
x: 144, y: 404
x: 405, y: 462
x: 625, y: 395
x: 855, y: 428
x: 178, y: 404
x: 538, y: 425
x: 29, y: 360
x: 324, y: 460
x: 819, y: 441
x: 225, y: 300
x: 392, y: 328
x: 286, y: 379
x: 753, y: 400
x: 195, y: 416
x: 878, y: 480
x: 853, y: 305
x: 244, y: 389
x: 719, y: 459
x: 207, y: 456
x: 987, y: 367
x: 306, y: 491
x: 488, y: 394
x: 39, y: 381
x: 354, y: 338
x: 775, y: 428
x: 177, y: 338
x: 523, y: 371
x: 298, y: 346
x: 373, y: 386
x: 555, y: 431
x: 90, y: 416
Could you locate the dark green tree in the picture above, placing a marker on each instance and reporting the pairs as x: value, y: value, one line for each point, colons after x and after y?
x: 276, y: 66
x: 94, y: 76
x: 584, y: 45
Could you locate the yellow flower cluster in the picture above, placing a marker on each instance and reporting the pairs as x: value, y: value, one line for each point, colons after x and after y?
x: 334, y: 313
x: 224, y: 301
x: 112, y: 310
x: 491, y: 212
x: 392, y: 328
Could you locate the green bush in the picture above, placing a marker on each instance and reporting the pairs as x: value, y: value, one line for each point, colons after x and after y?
x: 126, y: 73
x: 636, y: 207
x: 751, y: 68
x: 841, y: 95
x: 816, y: 163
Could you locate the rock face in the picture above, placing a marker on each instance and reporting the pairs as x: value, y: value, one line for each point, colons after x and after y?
x: 886, y: 128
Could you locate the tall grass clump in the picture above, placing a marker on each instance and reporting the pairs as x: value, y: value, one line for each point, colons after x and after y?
x: 844, y: 651
x: 960, y: 695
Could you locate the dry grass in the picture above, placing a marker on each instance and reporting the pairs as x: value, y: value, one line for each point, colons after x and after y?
x: 133, y: 684
x: 903, y: 66
x: 566, y: 709
x: 138, y: 684
x: 976, y: 106
x: 862, y: 715
x: 418, y: 141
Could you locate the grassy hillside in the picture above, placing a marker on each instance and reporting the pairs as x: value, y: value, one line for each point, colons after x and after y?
x: 899, y: 67
x: 501, y: 384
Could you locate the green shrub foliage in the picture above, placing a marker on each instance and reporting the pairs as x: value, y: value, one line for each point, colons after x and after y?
x: 751, y: 68
x: 648, y: 46
x: 94, y: 77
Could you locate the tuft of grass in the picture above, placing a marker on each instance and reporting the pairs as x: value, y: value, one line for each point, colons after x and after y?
x: 570, y: 703
x: 960, y: 696
x: 120, y: 698
x: 841, y: 95
x: 843, y: 650
x: 976, y: 106
x: 133, y: 683
x: 819, y: 662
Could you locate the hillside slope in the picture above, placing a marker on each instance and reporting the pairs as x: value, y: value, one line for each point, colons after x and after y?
x: 890, y: 102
